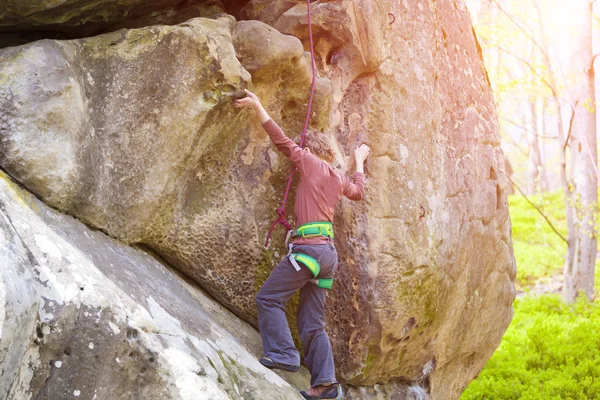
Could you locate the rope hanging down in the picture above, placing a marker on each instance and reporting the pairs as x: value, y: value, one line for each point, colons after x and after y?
x: 281, y: 210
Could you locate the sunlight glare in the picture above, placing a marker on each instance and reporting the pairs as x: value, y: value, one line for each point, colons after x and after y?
x: 558, y: 14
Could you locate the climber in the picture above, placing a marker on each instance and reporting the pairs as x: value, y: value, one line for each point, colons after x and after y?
x: 312, y: 261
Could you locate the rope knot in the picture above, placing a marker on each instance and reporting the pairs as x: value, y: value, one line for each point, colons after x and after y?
x: 282, y: 220
x: 281, y: 212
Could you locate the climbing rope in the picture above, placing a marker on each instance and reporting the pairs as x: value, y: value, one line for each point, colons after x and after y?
x: 281, y: 210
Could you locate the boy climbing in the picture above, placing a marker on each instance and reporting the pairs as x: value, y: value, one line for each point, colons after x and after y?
x: 312, y: 261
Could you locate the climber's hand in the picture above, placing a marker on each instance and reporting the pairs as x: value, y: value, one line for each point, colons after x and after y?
x: 361, y: 153
x: 251, y: 100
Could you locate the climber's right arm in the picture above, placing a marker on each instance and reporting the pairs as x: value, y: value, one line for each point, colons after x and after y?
x: 355, y: 189
x: 283, y: 143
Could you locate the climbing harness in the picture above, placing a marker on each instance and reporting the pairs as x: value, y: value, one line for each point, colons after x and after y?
x: 312, y: 229
x: 309, y: 230
x: 281, y: 210
x: 313, y: 266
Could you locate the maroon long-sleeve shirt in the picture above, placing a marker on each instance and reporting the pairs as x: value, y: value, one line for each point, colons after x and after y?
x: 320, y: 187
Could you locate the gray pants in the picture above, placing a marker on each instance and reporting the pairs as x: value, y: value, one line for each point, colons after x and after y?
x: 277, y: 340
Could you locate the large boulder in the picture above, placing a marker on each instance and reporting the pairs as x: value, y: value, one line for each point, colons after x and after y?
x: 428, y: 259
x: 154, y: 152
x: 84, y: 316
x: 134, y: 133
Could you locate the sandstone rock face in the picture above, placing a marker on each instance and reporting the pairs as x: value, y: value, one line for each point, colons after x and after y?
x: 134, y: 133
x: 155, y: 153
x: 103, y: 321
x: 428, y: 256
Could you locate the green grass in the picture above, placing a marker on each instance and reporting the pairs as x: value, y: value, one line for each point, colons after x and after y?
x: 551, y: 350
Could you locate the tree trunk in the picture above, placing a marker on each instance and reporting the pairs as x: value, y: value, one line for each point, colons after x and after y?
x: 540, y: 112
x: 579, y: 264
x: 534, y: 162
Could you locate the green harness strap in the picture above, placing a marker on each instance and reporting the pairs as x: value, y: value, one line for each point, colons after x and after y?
x: 313, y: 229
x: 308, y: 261
x: 313, y: 266
x: 323, y: 283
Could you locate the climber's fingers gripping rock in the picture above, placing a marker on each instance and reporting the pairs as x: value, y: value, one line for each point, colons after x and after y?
x: 251, y: 100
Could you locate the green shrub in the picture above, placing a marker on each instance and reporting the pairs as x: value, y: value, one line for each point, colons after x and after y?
x: 550, y: 351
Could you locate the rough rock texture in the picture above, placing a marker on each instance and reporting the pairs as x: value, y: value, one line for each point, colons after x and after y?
x: 133, y: 132
x: 155, y: 153
x: 18, y: 303
x: 101, y: 320
x: 429, y: 262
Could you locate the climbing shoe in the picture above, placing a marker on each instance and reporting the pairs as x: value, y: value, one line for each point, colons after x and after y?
x: 332, y: 392
x: 267, y: 362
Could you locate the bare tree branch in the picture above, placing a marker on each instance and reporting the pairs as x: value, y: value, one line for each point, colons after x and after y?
x: 566, y: 143
x: 531, y: 67
x: 591, y: 67
x: 518, y: 25
x: 517, y: 146
x: 526, y: 129
x: 538, y: 210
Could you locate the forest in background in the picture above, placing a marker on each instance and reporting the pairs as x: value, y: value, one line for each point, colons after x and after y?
x: 540, y: 56
x: 540, y: 59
